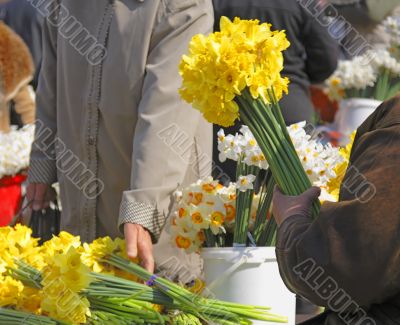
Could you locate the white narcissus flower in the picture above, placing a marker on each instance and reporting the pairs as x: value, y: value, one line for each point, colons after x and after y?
x: 217, y: 220
x: 382, y: 59
x: 319, y: 161
x: 199, y: 217
x: 245, y: 183
x: 356, y: 74
x: 392, y: 26
x: 185, y: 241
x: 326, y: 197
x: 15, y: 148
x: 229, y: 146
x: 197, y: 192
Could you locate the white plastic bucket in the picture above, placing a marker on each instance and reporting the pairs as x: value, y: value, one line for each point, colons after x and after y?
x: 248, y: 275
x: 353, y: 112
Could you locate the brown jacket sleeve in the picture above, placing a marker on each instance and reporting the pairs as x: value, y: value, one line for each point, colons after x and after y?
x: 25, y: 105
x: 354, y: 245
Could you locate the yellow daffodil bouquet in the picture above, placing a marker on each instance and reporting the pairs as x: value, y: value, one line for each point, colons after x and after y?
x: 65, y: 281
x: 235, y: 74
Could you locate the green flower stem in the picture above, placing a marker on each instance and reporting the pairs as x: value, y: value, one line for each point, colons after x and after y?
x: 211, y: 240
x: 268, y: 236
x: 284, y: 147
x: 198, y: 306
x: 243, y: 205
x: 126, y: 299
x: 266, y: 123
x: 265, y: 144
x: 10, y: 317
x: 262, y: 223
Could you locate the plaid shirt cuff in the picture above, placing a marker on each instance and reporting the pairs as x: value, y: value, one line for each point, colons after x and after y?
x: 142, y: 214
x: 42, y: 171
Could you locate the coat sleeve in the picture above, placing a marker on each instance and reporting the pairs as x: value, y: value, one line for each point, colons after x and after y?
x: 322, y: 51
x: 25, y: 105
x: 354, y: 244
x: 42, y: 168
x: 158, y: 169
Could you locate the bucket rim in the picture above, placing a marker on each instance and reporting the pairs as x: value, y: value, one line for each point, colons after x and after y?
x: 362, y: 100
x: 233, y: 253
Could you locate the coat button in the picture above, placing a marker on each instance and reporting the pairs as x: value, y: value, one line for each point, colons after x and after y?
x: 92, y: 141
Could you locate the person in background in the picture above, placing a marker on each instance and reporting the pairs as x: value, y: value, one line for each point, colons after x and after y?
x: 25, y: 20
x: 311, y: 58
x: 16, y: 71
x: 111, y: 127
x: 347, y: 259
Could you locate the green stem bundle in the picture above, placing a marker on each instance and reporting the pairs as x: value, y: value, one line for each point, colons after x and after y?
x: 265, y: 122
x: 209, y: 310
x: 243, y: 206
x: 15, y: 317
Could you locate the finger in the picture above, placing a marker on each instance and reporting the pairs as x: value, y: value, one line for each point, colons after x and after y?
x: 30, y: 194
x: 131, y: 238
x: 277, y: 190
x: 39, y: 197
x: 312, y: 194
x: 51, y: 195
x: 146, y: 251
x: 277, y: 194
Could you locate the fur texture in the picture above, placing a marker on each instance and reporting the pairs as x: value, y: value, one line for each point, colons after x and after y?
x: 16, y: 64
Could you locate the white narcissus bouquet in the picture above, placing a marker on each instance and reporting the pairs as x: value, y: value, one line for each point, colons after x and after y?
x: 242, y: 209
x: 392, y: 27
x: 15, y: 148
x: 374, y: 75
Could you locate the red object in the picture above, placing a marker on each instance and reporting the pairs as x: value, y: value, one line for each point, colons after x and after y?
x: 323, y: 105
x: 10, y: 198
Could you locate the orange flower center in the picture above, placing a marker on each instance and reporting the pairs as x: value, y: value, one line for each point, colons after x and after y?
x: 195, y: 198
x: 208, y: 188
x: 182, y: 213
x: 183, y: 242
x: 197, y: 218
x: 217, y: 218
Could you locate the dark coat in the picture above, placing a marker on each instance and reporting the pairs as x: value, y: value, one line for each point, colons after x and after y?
x: 348, y: 259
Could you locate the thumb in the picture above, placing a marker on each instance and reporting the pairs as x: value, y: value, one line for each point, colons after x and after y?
x: 312, y: 194
x: 131, y: 236
x: 278, y: 191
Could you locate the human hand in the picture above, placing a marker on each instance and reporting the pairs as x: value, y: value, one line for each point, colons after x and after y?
x: 40, y: 196
x: 139, y: 244
x: 285, y: 206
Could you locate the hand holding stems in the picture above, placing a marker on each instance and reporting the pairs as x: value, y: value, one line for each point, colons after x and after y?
x: 285, y: 206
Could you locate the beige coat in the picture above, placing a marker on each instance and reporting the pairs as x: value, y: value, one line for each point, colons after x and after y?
x: 113, y: 130
x: 16, y: 71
